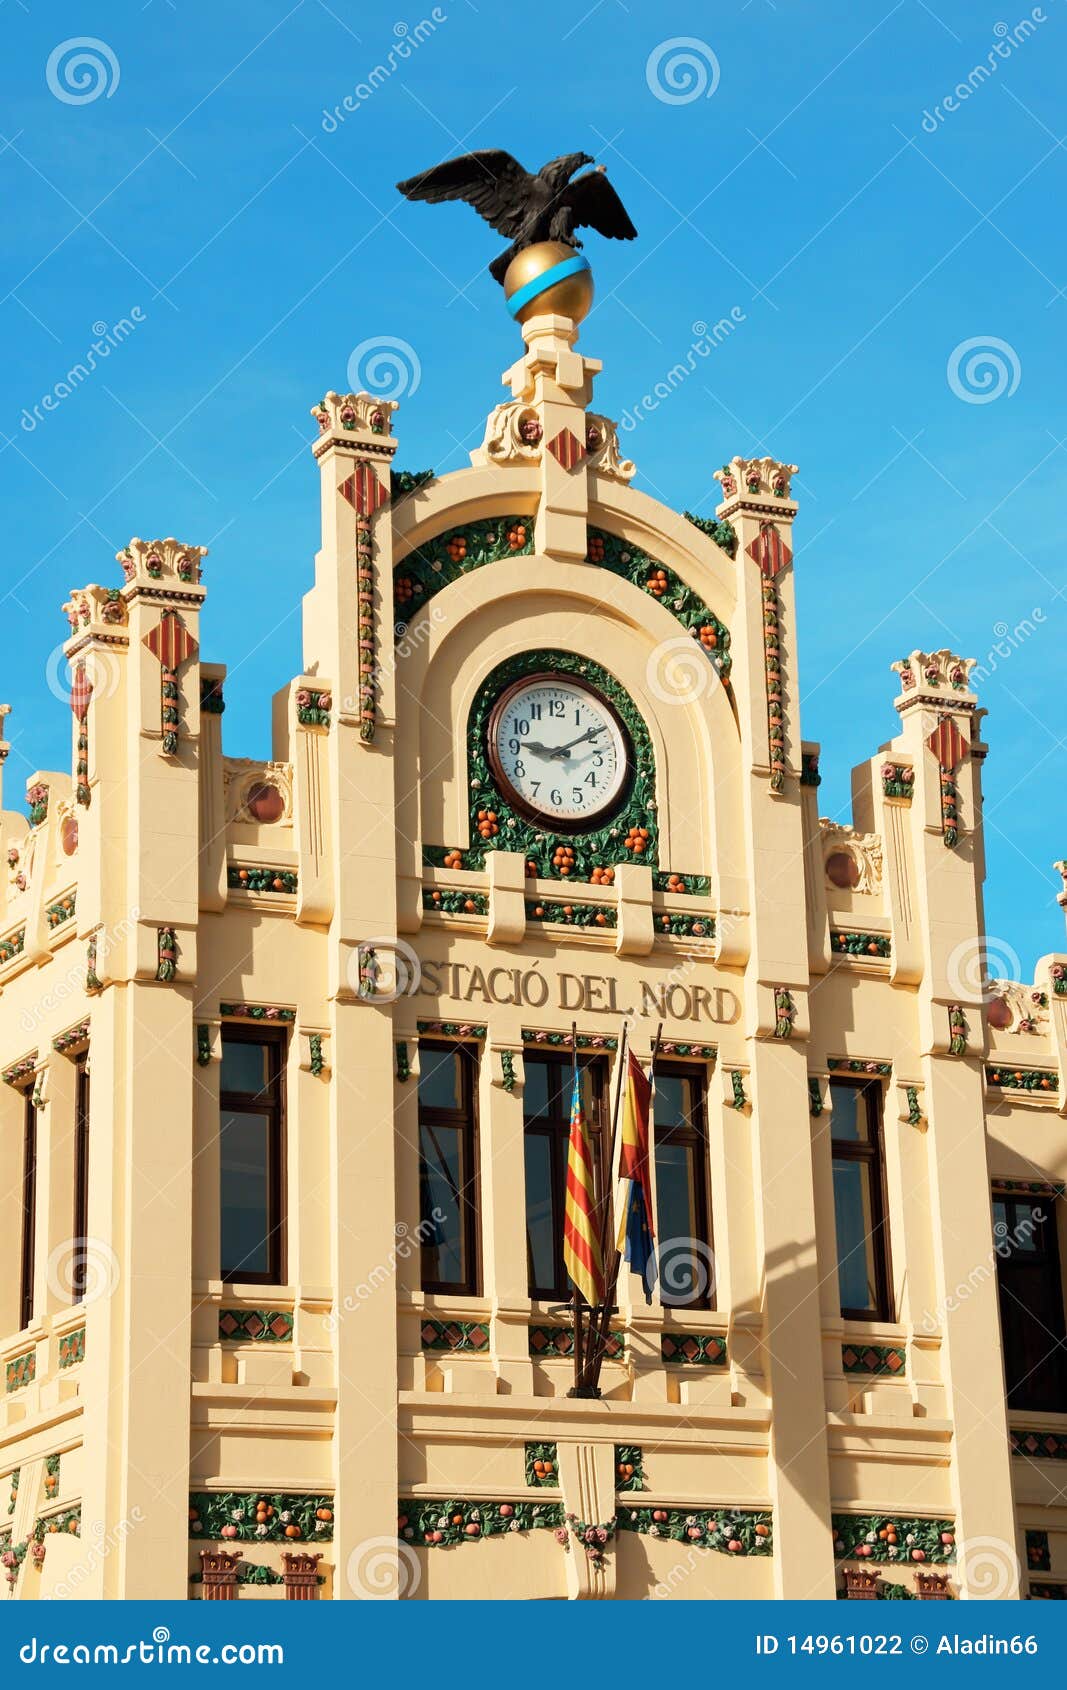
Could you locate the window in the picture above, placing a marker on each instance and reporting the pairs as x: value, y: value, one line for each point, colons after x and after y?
x: 29, y: 1212
x: 546, y: 1119
x: 447, y: 1168
x: 859, y: 1202
x: 1031, y: 1302
x: 79, y: 1261
x: 251, y: 1127
x: 683, y: 1231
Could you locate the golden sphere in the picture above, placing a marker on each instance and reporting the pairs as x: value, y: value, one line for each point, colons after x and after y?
x: 571, y: 297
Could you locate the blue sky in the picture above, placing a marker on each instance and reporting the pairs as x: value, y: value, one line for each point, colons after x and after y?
x: 815, y: 183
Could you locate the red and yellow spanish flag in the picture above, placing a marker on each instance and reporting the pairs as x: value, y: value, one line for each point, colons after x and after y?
x: 636, y: 1235
x: 581, y: 1245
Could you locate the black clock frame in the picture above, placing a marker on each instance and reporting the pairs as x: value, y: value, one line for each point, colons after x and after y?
x: 508, y: 791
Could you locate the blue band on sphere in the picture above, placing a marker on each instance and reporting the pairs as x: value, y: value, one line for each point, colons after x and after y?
x: 548, y: 278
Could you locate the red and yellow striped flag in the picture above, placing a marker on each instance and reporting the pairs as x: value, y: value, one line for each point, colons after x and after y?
x: 581, y: 1245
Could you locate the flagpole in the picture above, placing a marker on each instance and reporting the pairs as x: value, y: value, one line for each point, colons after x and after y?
x: 616, y: 1111
x: 600, y: 1324
x: 611, y: 1277
x: 655, y: 1053
x: 579, y: 1347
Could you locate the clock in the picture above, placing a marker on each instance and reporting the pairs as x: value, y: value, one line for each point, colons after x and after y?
x: 559, y: 752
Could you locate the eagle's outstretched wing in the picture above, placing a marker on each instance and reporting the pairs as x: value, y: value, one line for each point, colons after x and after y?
x: 596, y: 204
x: 493, y: 182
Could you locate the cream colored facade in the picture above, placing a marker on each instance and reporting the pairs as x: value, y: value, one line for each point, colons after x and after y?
x: 150, y: 906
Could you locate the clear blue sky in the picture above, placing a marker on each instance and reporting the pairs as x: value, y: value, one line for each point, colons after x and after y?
x: 864, y: 236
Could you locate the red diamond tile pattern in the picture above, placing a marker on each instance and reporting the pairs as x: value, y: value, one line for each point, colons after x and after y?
x: 270, y: 1326
x: 567, y: 449
x: 875, y: 1359
x: 770, y: 551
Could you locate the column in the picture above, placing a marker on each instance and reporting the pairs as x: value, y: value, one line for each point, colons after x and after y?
x: 939, y: 740
x: 757, y: 501
x: 348, y: 622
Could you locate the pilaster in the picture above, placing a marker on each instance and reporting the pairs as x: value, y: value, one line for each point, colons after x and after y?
x: 787, y: 1249
x: 140, y: 820
x: 503, y: 1173
x: 348, y: 634
x: 939, y: 741
x: 757, y: 502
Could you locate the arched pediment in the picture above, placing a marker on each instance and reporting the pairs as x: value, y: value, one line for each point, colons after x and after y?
x: 439, y: 539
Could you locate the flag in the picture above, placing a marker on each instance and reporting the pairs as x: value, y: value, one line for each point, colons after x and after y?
x: 581, y: 1246
x: 636, y: 1236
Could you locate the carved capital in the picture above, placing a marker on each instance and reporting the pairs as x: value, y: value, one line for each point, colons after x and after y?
x: 159, y: 564
x: 95, y: 610
x: 761, y: 485
x: 939, y: 676
x: 356, y: 419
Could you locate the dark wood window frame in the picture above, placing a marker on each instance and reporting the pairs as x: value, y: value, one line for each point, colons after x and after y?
x: 80, y: 1229
x: 466, y: 1120
x: 271, y: 1102
x: 1041, y: 1388
x: 28, y: 1235
x: 870, y: 1154
x: 693, y: 1138
x: 555, y: 1127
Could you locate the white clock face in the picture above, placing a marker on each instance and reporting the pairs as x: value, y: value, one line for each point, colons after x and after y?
x: 560, y: 750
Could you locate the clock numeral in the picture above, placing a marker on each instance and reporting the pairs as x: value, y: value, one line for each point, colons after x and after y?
x: 555, y: 797
x: 556, y: 707
x: 590, y: 779
x: 535, y: 713
x: 520, y: 768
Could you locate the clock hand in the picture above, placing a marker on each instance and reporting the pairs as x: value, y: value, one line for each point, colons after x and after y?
x: 555, y: 753
x: 559, y: 753
x: 590, y: 733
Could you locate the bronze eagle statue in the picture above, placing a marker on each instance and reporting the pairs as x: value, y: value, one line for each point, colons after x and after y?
x: 527, y: 208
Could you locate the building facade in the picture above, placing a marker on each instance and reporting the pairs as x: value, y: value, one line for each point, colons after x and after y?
x: 287, y: 1058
